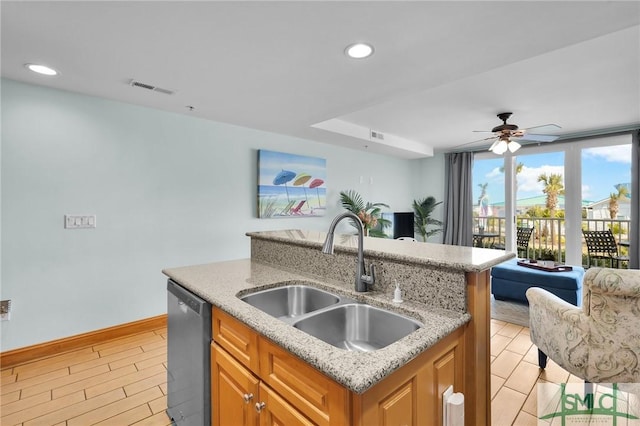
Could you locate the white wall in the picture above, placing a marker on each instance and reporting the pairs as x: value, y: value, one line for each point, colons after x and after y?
x: 168, y: 190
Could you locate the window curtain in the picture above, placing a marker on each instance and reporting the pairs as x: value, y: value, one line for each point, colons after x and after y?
x: 634, y: 231
x: 458, y: 200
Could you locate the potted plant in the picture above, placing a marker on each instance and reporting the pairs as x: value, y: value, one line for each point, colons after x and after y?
x: 422, y: 210
x: 369, y: 213
x: 547, y: 257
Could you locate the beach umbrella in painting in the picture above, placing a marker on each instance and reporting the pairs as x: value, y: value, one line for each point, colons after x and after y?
x: 282, y: 178
x: 301, y: 179
x: 315, y: 184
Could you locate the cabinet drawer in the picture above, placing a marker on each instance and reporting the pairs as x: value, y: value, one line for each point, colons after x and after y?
x: 317, y: 396
x: 238, y: 339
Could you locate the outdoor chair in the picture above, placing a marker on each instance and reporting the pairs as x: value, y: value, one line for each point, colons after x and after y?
x: 599, y: 342
x: 601, y: 245
x: 523, y: 235
x: 296, y: 209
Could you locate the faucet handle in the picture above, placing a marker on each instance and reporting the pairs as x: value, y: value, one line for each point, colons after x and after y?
x: 371, y: 278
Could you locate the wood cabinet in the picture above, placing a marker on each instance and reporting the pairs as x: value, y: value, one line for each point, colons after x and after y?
x: 234, y: 390
x: 240, y: 399
x: 412, y: 395
x: 248, y: 369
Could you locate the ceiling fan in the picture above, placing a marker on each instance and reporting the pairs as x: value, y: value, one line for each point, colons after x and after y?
x: 505, y: 135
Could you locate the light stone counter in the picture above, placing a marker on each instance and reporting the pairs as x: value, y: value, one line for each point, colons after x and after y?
x: 220, y: 283
x: 432, y: 277
x: 467, y: 259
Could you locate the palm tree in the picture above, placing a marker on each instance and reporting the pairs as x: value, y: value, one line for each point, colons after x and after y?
x: 422, y: 210
x: 553, y: 187
x: 369, y: 213
x: 614, y: 199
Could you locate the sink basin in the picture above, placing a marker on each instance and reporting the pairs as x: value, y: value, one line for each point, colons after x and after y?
x: 290, y: 301
x: 358, y: 327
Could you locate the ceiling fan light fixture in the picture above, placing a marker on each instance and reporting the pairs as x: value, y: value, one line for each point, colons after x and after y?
x: 501, y: 147
x: 359, y: 50
x: 513, y: 146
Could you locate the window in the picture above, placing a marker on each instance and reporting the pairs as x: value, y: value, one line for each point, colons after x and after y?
x: 488, y: 191
x: 606, y: 194
x: 588, y: 181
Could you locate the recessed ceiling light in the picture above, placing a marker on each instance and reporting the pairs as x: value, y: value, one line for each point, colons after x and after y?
x: 359, y: 50
x: 41, y: 69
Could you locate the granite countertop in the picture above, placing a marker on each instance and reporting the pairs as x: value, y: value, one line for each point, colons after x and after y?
x: 220, y: 283
x: 467, y: 259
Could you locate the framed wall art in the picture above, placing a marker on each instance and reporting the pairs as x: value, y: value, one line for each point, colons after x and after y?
x: 291, y: 185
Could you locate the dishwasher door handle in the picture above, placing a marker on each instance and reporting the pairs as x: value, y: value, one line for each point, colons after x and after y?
x: 183, y: 307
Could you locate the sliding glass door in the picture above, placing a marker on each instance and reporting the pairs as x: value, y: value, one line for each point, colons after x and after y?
x: 606, y: 191
x: 559, y: 190
x: 489, y: 207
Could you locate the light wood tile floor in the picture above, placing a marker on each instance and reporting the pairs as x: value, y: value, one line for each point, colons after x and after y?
x: 118, y: 382
x: 123, y: 382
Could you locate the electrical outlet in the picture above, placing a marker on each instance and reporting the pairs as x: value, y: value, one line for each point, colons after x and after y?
x: 5, y: 310
x: 79, y: 221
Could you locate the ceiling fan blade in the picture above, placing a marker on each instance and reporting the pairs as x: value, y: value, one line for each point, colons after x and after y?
x: 538, y: 138
x: 544, y: 128
x: 475, y: 142
x: 482, y: 131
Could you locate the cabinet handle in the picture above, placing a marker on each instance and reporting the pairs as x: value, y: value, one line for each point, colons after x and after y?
x: 260, y: 406
x: 247, y: 397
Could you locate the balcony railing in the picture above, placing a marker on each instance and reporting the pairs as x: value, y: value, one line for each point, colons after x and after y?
x: 549, y: 235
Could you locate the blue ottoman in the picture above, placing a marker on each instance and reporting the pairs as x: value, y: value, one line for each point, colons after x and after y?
x: 511, y: 281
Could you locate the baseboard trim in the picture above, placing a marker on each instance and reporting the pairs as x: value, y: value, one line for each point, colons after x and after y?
x: 18, y: 356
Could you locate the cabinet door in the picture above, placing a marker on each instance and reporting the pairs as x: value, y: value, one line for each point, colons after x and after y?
x: 412, y: 395
x: 234, y: 391
x: 445, y: 370
x: 395, y: 403
x: 278, y: 412
x: 318, y: 397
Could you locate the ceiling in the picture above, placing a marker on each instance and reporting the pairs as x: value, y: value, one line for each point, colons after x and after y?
x: 440, y: 69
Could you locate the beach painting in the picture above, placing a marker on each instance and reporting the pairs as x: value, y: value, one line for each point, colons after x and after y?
x: 291, y: 185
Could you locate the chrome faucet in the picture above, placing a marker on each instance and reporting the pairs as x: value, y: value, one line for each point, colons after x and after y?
x: 362, y: 279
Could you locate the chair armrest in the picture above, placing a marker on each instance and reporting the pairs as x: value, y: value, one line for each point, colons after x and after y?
x: 619, y: 282
x: 559, y: 329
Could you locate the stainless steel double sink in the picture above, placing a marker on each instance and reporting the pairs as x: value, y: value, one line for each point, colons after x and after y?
x: 338, y: 320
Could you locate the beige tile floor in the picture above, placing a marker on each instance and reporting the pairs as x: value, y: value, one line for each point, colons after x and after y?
x: 123, y: 381
x: 515, y: 373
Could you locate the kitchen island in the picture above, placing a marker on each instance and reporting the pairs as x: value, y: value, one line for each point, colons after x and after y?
x: 444, y: 287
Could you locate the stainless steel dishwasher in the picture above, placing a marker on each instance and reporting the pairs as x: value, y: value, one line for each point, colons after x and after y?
x: 188, y: 357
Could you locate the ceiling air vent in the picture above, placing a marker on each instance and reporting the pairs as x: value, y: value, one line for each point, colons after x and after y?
x: 377, y: 135
x: 151, y: 87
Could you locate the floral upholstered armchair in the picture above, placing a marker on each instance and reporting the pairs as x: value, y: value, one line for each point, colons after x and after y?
x: 599, y: 342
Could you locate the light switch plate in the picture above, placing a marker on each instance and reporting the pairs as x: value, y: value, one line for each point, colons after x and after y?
x: 72, y: 221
